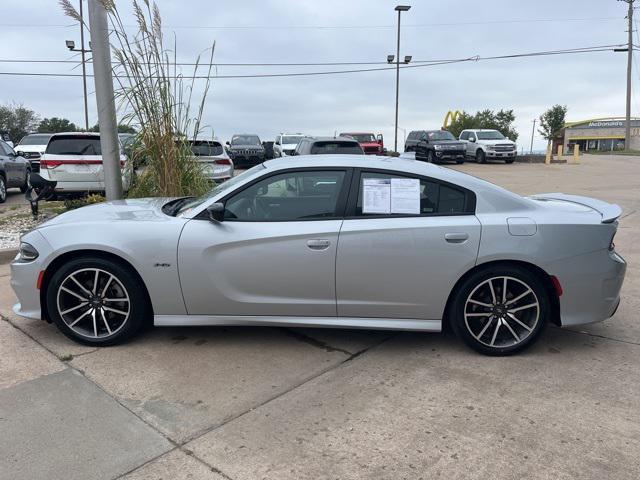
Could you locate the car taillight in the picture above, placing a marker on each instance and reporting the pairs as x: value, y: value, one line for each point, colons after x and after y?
x: 50, y: 163
x: 222, y: 161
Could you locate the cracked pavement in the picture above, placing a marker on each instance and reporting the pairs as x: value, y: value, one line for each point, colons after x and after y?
x: 275, y: 403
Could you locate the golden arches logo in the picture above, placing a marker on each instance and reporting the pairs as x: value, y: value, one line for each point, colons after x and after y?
x: 450, y: 117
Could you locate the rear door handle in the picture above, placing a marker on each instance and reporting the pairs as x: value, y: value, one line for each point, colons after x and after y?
x: 456, y: 237
x: 318, y: 244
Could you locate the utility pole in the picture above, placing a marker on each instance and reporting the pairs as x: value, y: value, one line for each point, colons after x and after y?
x: 533, y: 132
x: 627, y: 129
x: 84, y: 69
x: 105, y: 100
x: 399, y: 9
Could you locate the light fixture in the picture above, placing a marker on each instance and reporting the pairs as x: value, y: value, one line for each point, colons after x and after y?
x: 402, y: 8
x: 70, y: 44
x: 407, y: 58
x: 390, y: 58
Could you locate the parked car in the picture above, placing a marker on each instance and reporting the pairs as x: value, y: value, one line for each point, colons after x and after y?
x: 412, y: 140
x: 371, y: 144
x: 286, y: 143
x: 439, y: 145
x: 216, y: 164
x: 15, y: 170
x: 488, y: 144
x: 245, y: 150
x: 5, y: 137
x: 32, y: 147
x: 328, y: 241
x: 74, y: 161
x: 328, y: 145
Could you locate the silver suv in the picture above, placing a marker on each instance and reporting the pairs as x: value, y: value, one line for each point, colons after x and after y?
x: 488, y: 144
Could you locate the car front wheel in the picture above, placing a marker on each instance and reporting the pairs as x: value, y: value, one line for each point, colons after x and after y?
x: 27, y: 182
x: 97, y: 301
x: 500, y: 310
x: 481, y: 157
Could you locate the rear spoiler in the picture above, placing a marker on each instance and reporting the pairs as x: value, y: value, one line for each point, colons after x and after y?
x: 609, y: 211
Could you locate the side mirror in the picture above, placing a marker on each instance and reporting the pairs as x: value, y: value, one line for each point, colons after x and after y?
x: 472, y: 139
x: 227, y: 142
x: 216, y: 212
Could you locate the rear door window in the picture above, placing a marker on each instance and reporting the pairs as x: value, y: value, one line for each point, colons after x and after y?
x: 435, y: 198
x: 74, y: 145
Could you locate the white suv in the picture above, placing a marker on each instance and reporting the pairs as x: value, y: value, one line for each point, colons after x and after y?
x: 74, y: 160
x: 488, y: 144
x: 286, y: 143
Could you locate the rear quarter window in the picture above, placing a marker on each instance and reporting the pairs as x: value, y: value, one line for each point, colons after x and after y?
x: 73, y: 145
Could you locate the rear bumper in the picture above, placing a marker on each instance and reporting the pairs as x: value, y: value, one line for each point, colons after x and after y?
x: 591, y: 285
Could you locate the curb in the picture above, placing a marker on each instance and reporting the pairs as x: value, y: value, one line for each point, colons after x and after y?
x: 7, y: 254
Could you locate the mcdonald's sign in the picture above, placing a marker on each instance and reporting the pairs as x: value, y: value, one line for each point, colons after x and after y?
x: 449, y: 118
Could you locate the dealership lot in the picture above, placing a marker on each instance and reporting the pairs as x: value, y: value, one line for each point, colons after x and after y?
x: 245, y: 403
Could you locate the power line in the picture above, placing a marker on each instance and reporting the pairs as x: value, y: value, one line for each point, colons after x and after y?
x: 339, y: 27
x: 309, y: 64
x: 476, y: 58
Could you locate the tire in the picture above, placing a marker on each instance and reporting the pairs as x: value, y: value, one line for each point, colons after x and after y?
x: 3, y: 189
x: 500, y: 328
x: 430, y: 157
x: 481, y: 157
x: 459, y: 161
x: 124, y: 317
x: 27, y: 182
x: 510, y: 160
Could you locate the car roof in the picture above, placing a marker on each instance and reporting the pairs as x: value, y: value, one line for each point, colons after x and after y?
x: 79, y: 134
x: 356, y: 133
x: 331, y: 139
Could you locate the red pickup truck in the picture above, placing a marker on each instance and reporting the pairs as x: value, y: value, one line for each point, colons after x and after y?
x: 370, y: 143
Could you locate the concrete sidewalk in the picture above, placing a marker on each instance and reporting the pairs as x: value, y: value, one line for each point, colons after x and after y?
x: 256, y: 403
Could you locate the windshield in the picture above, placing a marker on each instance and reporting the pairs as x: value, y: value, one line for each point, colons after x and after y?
x: 245, y: 140
x: 206, y: 149
x: 490, y: 135
x: 74, y: 145
x: 440, y: 135
x: 362, y: 137
x: 35, y: 140
x: 192, y: 203
x: 319, y: 148
x: 291, y: 139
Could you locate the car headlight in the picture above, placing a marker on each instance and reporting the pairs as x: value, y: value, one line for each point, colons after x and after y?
x: 27, y: 252
x: 438, y: 147
x: 491, y: 147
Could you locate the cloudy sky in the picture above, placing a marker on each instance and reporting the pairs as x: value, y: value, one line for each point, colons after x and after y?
x: 280, y: 31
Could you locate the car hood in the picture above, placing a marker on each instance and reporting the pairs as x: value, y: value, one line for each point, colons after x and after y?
x: 31, y: 148
x: 137, y: 209
x: 447, y: 142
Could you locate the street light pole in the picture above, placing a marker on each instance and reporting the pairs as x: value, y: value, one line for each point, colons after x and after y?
x: 533, y: 132
x: 399, y: 9
x: 627, y: 130
x: 105, y: 100
x: 84, y: 69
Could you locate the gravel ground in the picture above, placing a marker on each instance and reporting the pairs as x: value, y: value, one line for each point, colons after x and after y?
x: 16, y: 221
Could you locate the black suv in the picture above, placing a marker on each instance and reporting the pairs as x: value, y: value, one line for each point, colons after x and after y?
x: 246, y: 150
x: 412, y: 140
x: 437, y: 145
x: 328, y: 145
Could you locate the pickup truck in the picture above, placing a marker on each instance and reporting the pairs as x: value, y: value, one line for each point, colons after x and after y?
x: 370, y: 143
x: 483, y: 145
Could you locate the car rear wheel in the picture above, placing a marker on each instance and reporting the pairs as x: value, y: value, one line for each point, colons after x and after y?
x: 500, y: 310
x: 3, y: 190
x: 96, y: 301
x: 481, y: 157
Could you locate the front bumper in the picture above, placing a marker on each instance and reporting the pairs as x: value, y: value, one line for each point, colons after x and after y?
x: 494, y: 154
x: 591, y: 285
x: 450, y: 154
x: 24, y: 277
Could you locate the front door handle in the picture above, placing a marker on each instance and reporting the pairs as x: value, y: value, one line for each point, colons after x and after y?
x: 456, y: 237
x: 318, y: 244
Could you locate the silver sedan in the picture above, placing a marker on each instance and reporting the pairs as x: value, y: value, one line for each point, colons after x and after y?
x: 328, y: 241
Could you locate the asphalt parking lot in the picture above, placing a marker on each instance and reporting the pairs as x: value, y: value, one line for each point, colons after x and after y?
x: 272, y: 403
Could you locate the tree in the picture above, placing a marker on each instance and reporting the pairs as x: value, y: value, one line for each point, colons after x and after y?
x: 56, y: 125
x: 122, y: 128
x: 502, y: 120
x: 552, y: 122
x: 17, y: 120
